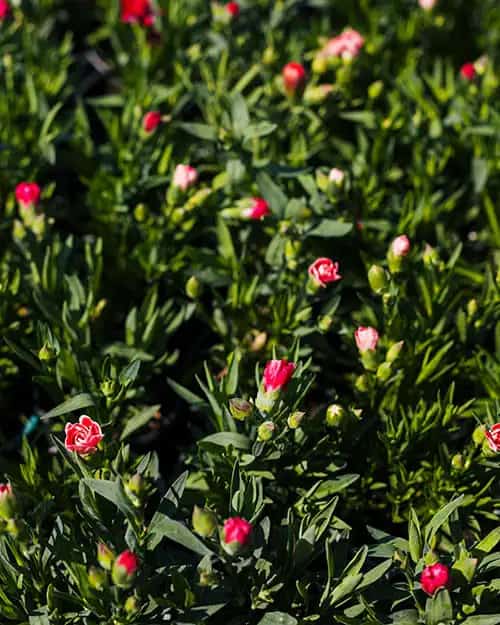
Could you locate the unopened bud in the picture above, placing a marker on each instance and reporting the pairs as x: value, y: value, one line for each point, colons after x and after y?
x: 266, y: 430
x: 394, y: 351
x: 47, y: 353
x: 472, y: 307
x: 375, y: 89
x: 193, y: 287
x: 131, y: 606
x: 325, y: 323
x: 362, y: 383
x: 457, y: 462
x: 384, y: 371
x: 335, y: 415
x: 240, y: 408
x: 317, y: 94
x: 319, y: 64
x: 478, y: 436
x: 141, y: 212
x: 204, y: 521
x: 295, y: 419
x: 377, y: 277
x: 97, y: 578
x: 7, y: 502
x: 124, y: 569
x: 105, y: 556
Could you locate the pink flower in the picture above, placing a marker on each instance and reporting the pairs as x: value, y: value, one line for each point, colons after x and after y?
x: 233, y: 8
x: 493, y: 437
x: 468, y: 71
x: 323, y: 271
x: 83, y: 437
x: 4, y: 9
x: 237, y: 530
x: 258, y: 209
x: 277, y: 374
x: 5, y: 490
x: 427, y: 5
x: 27, y: 193
x: 139, y: 11
x: 184, y: 176
x: 434, y: 577
x: 366, y: 339
x: 346, y: 45
x: 151, y: 121
x: 336, y: 176
x: 294, y: 77
x: 401, y: 246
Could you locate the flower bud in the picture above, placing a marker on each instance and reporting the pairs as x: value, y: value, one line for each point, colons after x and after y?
x: 194, y: 287
x: 394, y: 351
x: 134, y: 488
x: 472, y: 307
x: 457, y: 462
x: 204, y: 521
x: 317, y: 94
x: 7, y: 502
x: 375, y: 89
x: 207, y: 578
x: 47, y: 353
x: 384, y: 371
x: 377, y: 277
x: 325, y: 323
x: 478, y: 436
x: 434, y: 577
x: 362, y: 383
x: 266, y: 430
x: 97, y: 578
x: 398, y: 249
x: 236, y: 534
x: 335, y: 415
x: 295, y: 419
x: 108, y: 387
x: 130, y: 605
x: 124, y: 569
x: 294, y: 77
x: 240, y: 408
x: 336, y: 177
x: 151, y: 121
x: 141, y: 212
x: 105, y: 556
x: 16, y: 528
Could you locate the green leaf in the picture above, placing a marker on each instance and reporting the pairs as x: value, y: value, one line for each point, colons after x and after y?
x: 374, y: 574
x: 226, y: 439
x: 253, y: 131
x: 489, y: 542
x: 202, y: 131
x: 486, y: 619
x: 441, y: 517
x: 405, y: 617
x: 330, y: 228
x: 162, y: 526
x: 439, y: 609
x: 479, y: 173
x: 112, y: 491
x: 365, y: 118
x: 82, y: 400
x: 129, y: 373
x: 272, y: 194
x: 277, y: 618
x: 428, y: 367
x: 345, y: 588
x: 138, y: 420
x: 186, y: 394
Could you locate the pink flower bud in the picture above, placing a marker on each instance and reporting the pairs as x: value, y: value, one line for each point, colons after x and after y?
x: 4, y: 9
x: 336, y: 176
x: 151, y: 121
x: 185, y: 176
x: 27, y: 194
x: 468, y: 71
x: 137, y: 11
x: 434, y: 577
x: 366, y: 339
x: 347, y: 45
x: 258, y: 209
x: 324, y: 271
x: 401, y: 246
x: 233, y: 8
x: 427, y: 5
x: 83, y: 437
x: 277, y: 374
x: 237, y: 530
x: 7, y: 502
x: 493, y: 437
x: 294, y: 77
x: 124, y: 569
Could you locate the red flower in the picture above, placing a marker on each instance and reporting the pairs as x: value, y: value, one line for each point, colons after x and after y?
x: 139, y: 11
x: 258, y: 209
x: 237, y: 530
x: 233, y: 8
x: 277, y: 374
x: 434, y: 577
x: 151, y: 121
x: 366, y: 338
x: 294, y: 77
x: 493, y: 437
x: 323, y: 271
x: 468, y: 71
x: 4, y: 9
x: 27, y: 193
x: 83, y: 437
x: 401, y: 246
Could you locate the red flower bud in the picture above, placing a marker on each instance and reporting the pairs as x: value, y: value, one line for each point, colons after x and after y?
x: 277, y: 374
x: 27, y: 193
x: 493, y: 437
x: 83, y: 437
x: 138, y: 11
x: 323, y: 271
x: 237, y: 530
x: 294, y: 77
x: 7, y: 502
x: 124, y: 568
x: 434, y: 577
x: 233, y: 8
x: 468, y: 71
x: 258, y: 209
x: 151, y: 121
x: 4, y: 9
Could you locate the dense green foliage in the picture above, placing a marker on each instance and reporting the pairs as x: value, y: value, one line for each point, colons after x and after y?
x: 154, y: 310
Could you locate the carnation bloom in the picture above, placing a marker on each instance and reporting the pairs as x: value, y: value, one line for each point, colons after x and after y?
x: 366, y: 338
x: 434, y: 577
x: 237, y: 530
x: 323, y: 271
x: 336, y: 176
x: 233, y: 8
x: 184, y: 176
x: 83, y: 437
x: 294, y: 77
x: 347, y: 45
x: 468, y: 71
x: 493, y: 437
x: 4, y: 9
x: 139, y: 11
x: 277, y: 374
x: 401, y: 246
x: 427, y: 5
x: 151, y: 121
x: 258, y: 209
x: 27, y: 193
